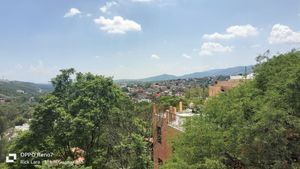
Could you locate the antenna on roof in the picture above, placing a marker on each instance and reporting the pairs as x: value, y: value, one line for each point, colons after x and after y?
x: 245, y: 73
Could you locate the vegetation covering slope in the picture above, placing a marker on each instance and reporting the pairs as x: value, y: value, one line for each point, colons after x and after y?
x: 16, y: 100
x: 256, y: 125
x: 89, y: 113
x: 9, y: 88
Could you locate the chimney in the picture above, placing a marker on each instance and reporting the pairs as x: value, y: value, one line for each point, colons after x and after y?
x: 171, y: 113
x: 154, y: 109
x: 180, y: 106
x: 168, y: 116
x: 171, y: 109
x: 174, y: 114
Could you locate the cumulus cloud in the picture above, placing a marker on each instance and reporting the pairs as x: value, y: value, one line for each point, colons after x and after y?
x: 233, y: 32
x: 155, y: 56
x: 186, y: 56
x: 107, y: 6
x: 72, y: 12
x: 117, y: 25
x: 210, y: 48
x: 217, y: 35
x: 242, y: 30
x: 283, y: 34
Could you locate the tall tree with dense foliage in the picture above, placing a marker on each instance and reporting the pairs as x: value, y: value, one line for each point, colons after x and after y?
x: 89, y: 112
x: 256, y: 125
x: 2, y: 139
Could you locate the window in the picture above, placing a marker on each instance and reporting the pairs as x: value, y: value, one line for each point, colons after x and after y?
x: 158, y: 134
x: 160, y: 162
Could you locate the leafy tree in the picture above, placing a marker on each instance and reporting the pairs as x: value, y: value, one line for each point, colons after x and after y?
x: 144, y: 112
x: 166, y: 101
x: 196, y: 93
x: 197, y: 96
x: 256, y: 125
x: 3, y: 166
x: 3, y: 126
x: 263, y: 57
x: 89, y: 112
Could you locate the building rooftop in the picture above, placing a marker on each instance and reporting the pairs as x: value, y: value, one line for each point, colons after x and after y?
x: 179, y: 119
x: 174, y: 118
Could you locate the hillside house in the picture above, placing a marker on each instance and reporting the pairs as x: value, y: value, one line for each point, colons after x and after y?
x: 222, y: 86
x: 167, y: 125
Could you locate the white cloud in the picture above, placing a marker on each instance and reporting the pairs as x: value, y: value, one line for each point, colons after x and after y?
x: 72, y: 12
x: 186, y: 56
x: 107, y: 6
x: 283, y: 34
x: 242, y: 30
x: 210, y: 48
x: 233, y: 32
x: 154, y: 56
x: 216, y: 36
x: 117, y: 25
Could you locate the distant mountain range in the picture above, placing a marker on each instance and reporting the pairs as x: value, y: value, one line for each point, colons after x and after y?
x: 10, y: 87
x: 214, y: 72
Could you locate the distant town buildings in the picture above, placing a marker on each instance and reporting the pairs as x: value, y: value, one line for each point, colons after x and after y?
x: 240, y: 77
x: 4, y: 99
x: 23, y: 127
x: 20, y: 91
x: 12, y: 133
x: 149, y: 91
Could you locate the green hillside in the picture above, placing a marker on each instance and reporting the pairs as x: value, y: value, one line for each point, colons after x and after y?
x: 10, y: 88
x: 256, y: 125
x: 16, y: 102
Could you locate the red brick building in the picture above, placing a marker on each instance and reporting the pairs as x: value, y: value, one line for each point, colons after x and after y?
x: 167, y: 124
x: 222, y: 86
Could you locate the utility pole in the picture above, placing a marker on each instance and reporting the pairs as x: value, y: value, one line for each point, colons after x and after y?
x: 245, y: 73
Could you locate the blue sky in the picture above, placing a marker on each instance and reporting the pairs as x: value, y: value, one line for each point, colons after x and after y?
x: 140, y: 38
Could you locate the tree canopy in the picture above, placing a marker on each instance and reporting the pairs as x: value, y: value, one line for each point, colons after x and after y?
x: 89, y: 112
x: 256, y: 125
